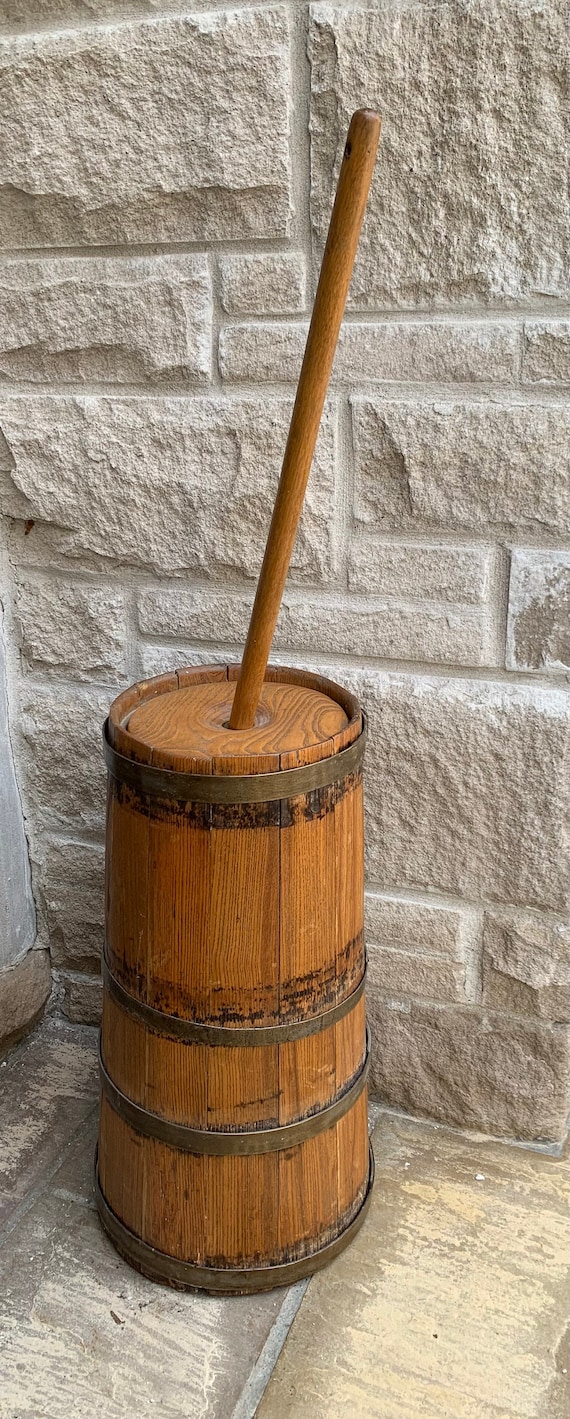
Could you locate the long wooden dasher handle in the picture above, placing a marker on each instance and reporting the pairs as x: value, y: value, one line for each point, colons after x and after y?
x: 336, y: 270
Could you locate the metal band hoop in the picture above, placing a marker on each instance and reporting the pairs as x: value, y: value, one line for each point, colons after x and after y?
x: 184, y: 1275
x: 224, y: 1144
x: 191, y: 1031
x: 225, y: 788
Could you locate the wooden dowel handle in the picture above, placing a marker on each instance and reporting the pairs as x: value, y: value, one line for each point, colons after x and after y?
x: 336, y: 270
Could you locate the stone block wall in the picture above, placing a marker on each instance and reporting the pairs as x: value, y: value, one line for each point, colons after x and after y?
x: 167, y: 178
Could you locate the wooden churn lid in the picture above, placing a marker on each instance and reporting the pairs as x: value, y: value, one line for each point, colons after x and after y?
x: 180, y: 721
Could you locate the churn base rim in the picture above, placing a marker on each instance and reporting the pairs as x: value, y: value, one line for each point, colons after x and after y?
x: 185, y: 1276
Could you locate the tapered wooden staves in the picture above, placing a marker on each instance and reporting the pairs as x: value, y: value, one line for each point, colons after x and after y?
x: 233, y: 1147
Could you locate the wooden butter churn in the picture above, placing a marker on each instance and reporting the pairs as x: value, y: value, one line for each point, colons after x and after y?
x: 233, y: 1148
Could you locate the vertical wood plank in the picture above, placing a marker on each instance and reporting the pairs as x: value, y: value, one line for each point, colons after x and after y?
x: 308, y: 908
x: 243, y: 1088
x: 352, y: 1159
x: 309, y: 1195
x: 126, y: 924
x: 244, y: 989
x: 349, y: 847
x: 123, y: 1156
x: 307, y: 1072
x: 179, y: 911
x: 307, y: 1068
x: 241, y: 1219
x: 243, y: 946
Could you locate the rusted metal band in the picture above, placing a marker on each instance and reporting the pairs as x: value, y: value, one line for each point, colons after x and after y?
x: 224, y: 788
x: 258, y: 1140
x: 184, y: 1275
x: 190, y: 1031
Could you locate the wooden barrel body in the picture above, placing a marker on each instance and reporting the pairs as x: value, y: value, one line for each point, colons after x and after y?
x: 233, y: 1147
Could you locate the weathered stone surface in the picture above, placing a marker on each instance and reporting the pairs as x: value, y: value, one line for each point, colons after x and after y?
x: 453, y: 1302
x: 74, y: 892
x: 72, y: 628
x: 34, y: 544
x: 39, y: 14
x: 402, y: 569
x: 267, y: 283
x: 81, y: 1333
x: 546, y: 352
x: 24, y: 990
x: 538, y: 630
x: 443, y: 352
x: 17, y: 911
x: 106, y: 320
x: 348, y: 625
x: 466, y: 93
x: 526, y: 965
x: 198, y: 615
x: 166, y: 483
x: 82, y: 997
x: 61, y: 758
x: 170, y: 129
x: 405, y: 925
x: 467, y: 787
x: 440, y: 635
x: 475, y: 1068
x: 49, y: 1086
x: 401, y: 973
x: 470, y: 465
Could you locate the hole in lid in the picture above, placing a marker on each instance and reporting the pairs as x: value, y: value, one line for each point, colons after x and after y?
x: 262, y: 716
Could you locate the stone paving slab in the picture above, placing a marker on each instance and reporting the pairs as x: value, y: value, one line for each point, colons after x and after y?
x: 81, y: 1334
x: 48, y: 1087
x: 452, y: 1302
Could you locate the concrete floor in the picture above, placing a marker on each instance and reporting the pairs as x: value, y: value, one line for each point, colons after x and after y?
x: 453, y: 1301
